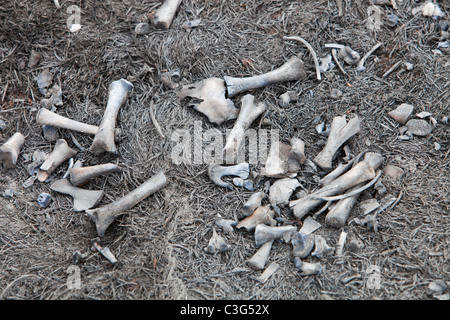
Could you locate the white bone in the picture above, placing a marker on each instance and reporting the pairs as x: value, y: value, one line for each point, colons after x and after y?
x: 253, y: 203
x: 270, y: 270
x: 262, y: 215
x: 264, y: 233
x: 10, y: 150
x: 259, y: 259
x: 47, y: 117
x: 82, y: 199
x: 61, y: 152
x: 79, y: 176
x: 216, y: 244
x: 281, y: 190
x: 321, y: 248
x: 165, y: 14
x: 216, y: 172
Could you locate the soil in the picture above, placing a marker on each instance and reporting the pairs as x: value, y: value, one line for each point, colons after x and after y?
x: 159, y: 243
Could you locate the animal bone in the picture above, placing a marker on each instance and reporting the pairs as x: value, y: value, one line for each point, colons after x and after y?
x: 283, y: 159
x: 79, y: 176
x: 361, y: 62
x: 281, y: 190
x: 302, y: 244
x: 264, y: 233
x: 225, y: 224
x: 104, y: 251
x: 286, y: 98
x: 311, y: 50
x: 259, y: 259
x: 216, y: 244
x: 341, y: 243
x: 164, y: 15
x: 10, y: 150
x: 248, y: 113
x: 270, y: 270
x: 216, y: 172
x: 253, y: 203
x: 360, y: 173
x: 340, y: 132
x: 82, y: 199
x: 105, y: 215
x: 322, y: 248
x: 307, y: 268
x: 349, y: 55
x: 61, y: 152
x: 293, y: 69
x: 309, y: 226
x: 44, y: 80
x: 104, y: 138
x: 262, y: 215
x: 339, y: 170
x: 210, y: 94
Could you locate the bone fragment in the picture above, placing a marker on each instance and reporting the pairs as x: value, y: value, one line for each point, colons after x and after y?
x: 104, y: 138
x: 61, y: 152
x: 286, y: 98
x: 302, y: 244
x: 226, y: 224
x: 105, y: 215
x: 250, y: 110
x: 212, y: 102
x: 264, y: 233
x: 307, y: 268
x: 270, y: 270
x: 281, y: 190
x: 165, y: 14
x: 284, y: 160
x: 216, y: 172
x: 339, y: 170
x: 82, y: 199
x: 44, y: 80
x: 79, y: 176
x: 35, y: 57
x: 311, y: 50
x: 262, y: 215
x: 104, y: 251
x: 341, y: 243
x: 361, y: 62
x: 10, y: 150
x: 321, y: 248
x: 293, y: 69
x: 340, y: 132
x: 253, y: 203
x: 349, y: 55
x: 259, y: 259
x: 309, y: 226
x: 216, y: 244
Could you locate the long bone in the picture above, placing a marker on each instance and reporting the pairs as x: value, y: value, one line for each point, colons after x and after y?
x: 292, y: 69
x: 10, y: 150
x: 253, y: 203
x: 61, y: 152
x: 82, y: 199
x: 104, y: 138
x: 340, y: 132
x: 360, y: 173
x: 81, y: 175
x: 248, y: 113
x: 264, y: 233
x: 216, y: 172
x: 164, y: 15
x: 105, y: 215
x: 261, y: 215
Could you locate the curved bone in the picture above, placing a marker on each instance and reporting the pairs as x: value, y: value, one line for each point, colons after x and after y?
x: 340, y: 132
x: 281, y: 190
x: 262, y: 215
x: 253, y: 203
x: 81, y: 175
x: 311, y: 50
x: 82, y: 199
x: 61, y: 152
x: 216, y: 172
x: 213, y: 103
x: 248, y: 113
x: 302, y: 244
x: 264, y: 233
x: 259, y: 259
x: 105, y: 215
x: 292, y: 69
x: 104, y: 138
x: 10, y: 150
x: 164, y: 15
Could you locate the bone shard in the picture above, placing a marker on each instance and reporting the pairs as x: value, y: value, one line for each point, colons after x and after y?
x: 10, y: 150
x: 104, y: 251
x: 340, y: 132
x: 284, y: 159
x: 292, y: 69
x: 309, y: 226
x: 262, y: 215
x: 321, y: 248
x: 216, y: 172
x: 81, y: 175
x: 105, y: 215
x: 165, y: 14
x: 281, y: 190
x: 253, y: 203
x: 250, y: 110
x: 264, y: 233
x: 302, y: 244
x: 61, y: 152
x: 216, y: 244
x: 82, y: 199
x: 259, y: 259
x: 307, y: 268
x: 104, y: 138
x: 225, y: 224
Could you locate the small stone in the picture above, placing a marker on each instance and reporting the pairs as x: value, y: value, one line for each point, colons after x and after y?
x: 44, y: 199
x: 438, y: 286
x: 142, y: 28
x: 50, y: 133
x: 402, y: 113
x: 2, y: 125
x: 336, y: 93
x: 349, y: 55
x: 35, y: 57
x: 437, y: 146
x: 419, y: 127
x: 393, y: 172
x: 355, y: 246
x: 442, y: 25
x: 423, y: 114
x: 392, y: 20
x: 409, y: 66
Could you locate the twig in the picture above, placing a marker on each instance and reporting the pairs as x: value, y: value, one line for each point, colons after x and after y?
x: 395, y: 66
x: 360, y: 66
x: 310, y: 48
x: 333, y: 53
x: 155, y: 123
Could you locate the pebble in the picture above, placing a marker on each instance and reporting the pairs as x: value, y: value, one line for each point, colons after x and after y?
x: 442, y: 25
x: 8, y: 193
x: 44, y: 199
x: 49, y: 132
x: 336, y: 93
x: 142, y: 28
x: 392, y: 20
x: 419, y: 127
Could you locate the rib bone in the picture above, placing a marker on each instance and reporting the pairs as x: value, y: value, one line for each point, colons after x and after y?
x: 61, y: 152
x: 10, y: 150
x: 216, y: 172
x: 164, y: 15
x: 82, y: 199
x: 104, y: 138
x: 292, y: 69
x: 105, y: 215
x: 79, y: 176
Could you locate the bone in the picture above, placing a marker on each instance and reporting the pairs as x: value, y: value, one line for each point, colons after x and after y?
x: 284, y: 160
x: 82, y: 199
x: 104, y: 251
x: 309, y: 226
x: 9, y: 151
x: 349, y: 55
x: 47, y: 117
x: 81, y: 175
x: 286, y: 98
x: 302, y: 244
x: 341, y: 243
x: 293, y: 69
x: 213, y: 104
x: 105, y: 215
x: 44, y: 80
x: 61, y: 152
x: 311, y: 50
x: 165, y: 14
x: 339, y: 170
x: 361, y: 62
x: 321, y: 248
x: 340, y: 132
x: 270, y: 270
x: 281, y: 190
x: 34, y: 59
x: 262, y: 215
x: 216, y: 172
x: 360, y: 173
x: 104, y: 138
x: 264, y: 233
x: 259, y: 259
x: 308, y: 269
x: 250, y: 110
x: 225, y: 224
x: 253, y: 203
x: 216, y: 244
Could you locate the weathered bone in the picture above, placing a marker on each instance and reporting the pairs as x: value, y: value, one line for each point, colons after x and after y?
x: 105, y: 215
x: 308, y: 268
x: 270, y: 270
x: 216, y: 244
x: 10, y: 150
x: 340, y: 132
x: 360, y: 173
x: 213, y: 104
x: 309, y: 226
x: 264, y: 233
x: 81, y: 175
x: 339, y: 170
x: 82, y: 199
x: 61, y: 152
x: 104, y: 251
x: 281, y: 190
x: 321, y: 248
x: 104, y: 138
x: 226, y: 224
x: 283, y: 159
x: 253, y: 203
x: 262, y: 215
x: 164, y: 15
x: 248, y: 113
x: 216, y: 172
x: 292, y: 69
x: 259, y: 259
x: 302, y: 244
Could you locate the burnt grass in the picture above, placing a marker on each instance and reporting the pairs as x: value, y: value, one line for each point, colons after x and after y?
x: 160, y: 242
